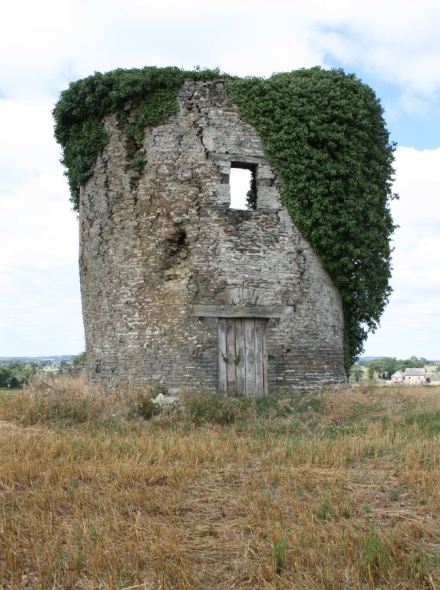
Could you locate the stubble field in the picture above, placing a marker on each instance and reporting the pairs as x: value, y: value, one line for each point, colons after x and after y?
x: 340, y: 491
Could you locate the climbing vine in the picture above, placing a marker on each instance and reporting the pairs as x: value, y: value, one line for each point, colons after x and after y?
x: 149, y: 94
x: 323, y: 130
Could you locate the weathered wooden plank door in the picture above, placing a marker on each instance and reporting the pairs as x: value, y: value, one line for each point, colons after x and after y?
x: 242, y: 356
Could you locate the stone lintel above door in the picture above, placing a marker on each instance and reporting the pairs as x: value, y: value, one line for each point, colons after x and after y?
x: 241, y: 311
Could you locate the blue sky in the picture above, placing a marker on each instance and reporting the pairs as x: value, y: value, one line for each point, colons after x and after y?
x: 392, y: 46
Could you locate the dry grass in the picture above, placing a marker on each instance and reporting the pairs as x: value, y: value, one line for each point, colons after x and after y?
x: 340, y: 491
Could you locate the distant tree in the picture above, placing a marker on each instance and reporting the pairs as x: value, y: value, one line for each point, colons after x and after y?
x: 356, y: 373
x: 78, y: 364
x: 388, y: 367
x: 5, y: 375
x: 371, y: 369
x: 413, y: 363
x: 16, y: 381
x: 383, y: 367
x: 27, y: 370
x: 80, y: 360
x: 16, y: 374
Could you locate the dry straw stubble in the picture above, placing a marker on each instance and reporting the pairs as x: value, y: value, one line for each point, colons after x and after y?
x: 337, y: 491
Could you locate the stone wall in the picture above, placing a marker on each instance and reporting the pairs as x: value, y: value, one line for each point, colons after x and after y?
x: 160, y: 239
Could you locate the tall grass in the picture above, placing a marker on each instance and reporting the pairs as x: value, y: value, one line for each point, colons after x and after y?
x: 339, y: 491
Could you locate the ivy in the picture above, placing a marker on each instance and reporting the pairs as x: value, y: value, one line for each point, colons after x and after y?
x: 154, y: 108
x: 149, y: 94
x: 323, y: 130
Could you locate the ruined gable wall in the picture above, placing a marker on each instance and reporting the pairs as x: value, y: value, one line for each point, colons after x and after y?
x: 158, y: 240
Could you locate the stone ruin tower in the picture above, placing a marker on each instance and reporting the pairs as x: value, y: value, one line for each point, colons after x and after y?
x: 181, y: 289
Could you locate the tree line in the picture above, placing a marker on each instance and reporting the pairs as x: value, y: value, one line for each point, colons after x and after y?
x: 15, y: 374
x: 384, y: 367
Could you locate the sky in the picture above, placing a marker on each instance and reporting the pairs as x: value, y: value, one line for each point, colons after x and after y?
x: 393, y: 46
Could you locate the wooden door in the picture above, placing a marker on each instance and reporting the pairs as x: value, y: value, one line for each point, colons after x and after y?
x: 242, y: 356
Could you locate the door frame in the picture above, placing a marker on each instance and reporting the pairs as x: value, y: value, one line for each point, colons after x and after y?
x: 242, y: 356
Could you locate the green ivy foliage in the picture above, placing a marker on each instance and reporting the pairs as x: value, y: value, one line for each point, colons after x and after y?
x: 323, y: 130
x: 79, y: 113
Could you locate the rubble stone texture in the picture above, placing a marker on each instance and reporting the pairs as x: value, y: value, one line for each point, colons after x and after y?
x: 160, y: 240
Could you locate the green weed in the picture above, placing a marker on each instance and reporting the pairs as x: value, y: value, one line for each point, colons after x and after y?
x: 324, y: 511
x: 279, y: 553
x: 376, y: 555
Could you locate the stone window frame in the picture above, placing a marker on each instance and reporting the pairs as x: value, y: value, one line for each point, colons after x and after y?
x: 268, y: 198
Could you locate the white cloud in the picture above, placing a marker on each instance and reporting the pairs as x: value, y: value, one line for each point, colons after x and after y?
x: 35, y: 40
x: 264, y: 56
x: 415, y: 302
x: 44, y: 45
x: 397, y: 41
x: 39, y: 299
x: 36, y: 222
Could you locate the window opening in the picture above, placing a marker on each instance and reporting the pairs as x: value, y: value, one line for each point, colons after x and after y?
x: 243, y: 186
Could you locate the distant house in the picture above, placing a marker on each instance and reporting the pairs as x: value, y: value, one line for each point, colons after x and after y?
x: 415, y: 376
x: 397, y: 378
x: 49, y: 369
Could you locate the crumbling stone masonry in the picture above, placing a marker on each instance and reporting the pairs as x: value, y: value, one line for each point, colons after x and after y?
x: 179, y: 288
